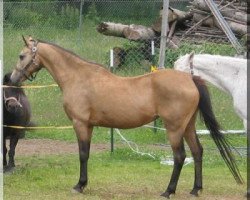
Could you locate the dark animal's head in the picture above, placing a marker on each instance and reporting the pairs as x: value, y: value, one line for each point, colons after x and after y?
x: 11, y: 96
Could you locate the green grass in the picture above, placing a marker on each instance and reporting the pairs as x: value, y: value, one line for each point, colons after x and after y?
x: 118, y: 176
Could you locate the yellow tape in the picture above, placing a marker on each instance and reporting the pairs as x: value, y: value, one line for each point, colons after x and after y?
x: 39, y: 127
x: 31, y: 86
x: 35, y: 127
x: 154, y: 68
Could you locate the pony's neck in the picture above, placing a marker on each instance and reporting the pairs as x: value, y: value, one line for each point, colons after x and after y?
x: 62, y: 65
x: 217, y: 70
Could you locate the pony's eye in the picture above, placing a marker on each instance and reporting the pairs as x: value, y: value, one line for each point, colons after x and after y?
x: 21, y: 57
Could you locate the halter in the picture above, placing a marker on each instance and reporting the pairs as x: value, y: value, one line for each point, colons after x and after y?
x: 33, y: 61
x: 6, y: 99
x: 192, y: 68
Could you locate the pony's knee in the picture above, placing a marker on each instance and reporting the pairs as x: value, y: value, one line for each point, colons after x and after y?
x: 84, y: 147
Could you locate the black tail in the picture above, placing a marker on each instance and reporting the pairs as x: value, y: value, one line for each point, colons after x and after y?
x: 212, y: 125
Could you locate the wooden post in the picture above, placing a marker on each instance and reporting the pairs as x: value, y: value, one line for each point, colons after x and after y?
x: 164, y: 30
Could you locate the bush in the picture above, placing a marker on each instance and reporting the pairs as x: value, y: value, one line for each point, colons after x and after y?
x: 68, y: 18
x: 23, y: 18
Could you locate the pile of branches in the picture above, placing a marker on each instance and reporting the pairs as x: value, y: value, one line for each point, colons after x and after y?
x: 204, y: 25
x: 198, y: 24
x: 136, y: 32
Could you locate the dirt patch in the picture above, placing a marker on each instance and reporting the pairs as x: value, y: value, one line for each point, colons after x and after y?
x: 28, y: 147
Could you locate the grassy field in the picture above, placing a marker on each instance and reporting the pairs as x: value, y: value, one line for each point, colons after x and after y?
x: 123, y: 175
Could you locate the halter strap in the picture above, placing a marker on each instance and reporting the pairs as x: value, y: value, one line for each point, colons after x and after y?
x: 6, y: 99
x: 33, y: 61
x: 192, y: 68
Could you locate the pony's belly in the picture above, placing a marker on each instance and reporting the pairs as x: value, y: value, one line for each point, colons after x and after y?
x: 122, y: 121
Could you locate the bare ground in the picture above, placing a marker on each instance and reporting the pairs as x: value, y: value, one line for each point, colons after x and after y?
x: 28, y: 147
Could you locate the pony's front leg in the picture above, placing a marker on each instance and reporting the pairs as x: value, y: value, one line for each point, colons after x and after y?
x: 4, y: 152
x: 13, y: 142
x: 84, y: 133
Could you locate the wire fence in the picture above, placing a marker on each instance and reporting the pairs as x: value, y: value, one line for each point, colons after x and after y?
x: 80, y: 26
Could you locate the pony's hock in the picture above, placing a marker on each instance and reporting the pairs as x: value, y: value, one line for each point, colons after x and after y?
x: 172, y: 95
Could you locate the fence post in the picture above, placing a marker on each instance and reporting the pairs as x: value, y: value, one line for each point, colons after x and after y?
x: 111, y: 129
x: 164, y: 30
x: 80, y: 21
x: 1, y: 97
x: 153, y: 65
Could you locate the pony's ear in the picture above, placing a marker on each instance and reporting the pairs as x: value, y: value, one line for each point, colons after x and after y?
x: 191, y: 58
x: 32, y: 40
x: 25, y: 41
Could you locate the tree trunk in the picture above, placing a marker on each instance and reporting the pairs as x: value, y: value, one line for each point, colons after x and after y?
x: 138, y: 32
x: 131, y: 32
x: 237, y: 28
x: 111, y: 29
x: 173, y: 15
x: 226, y: 12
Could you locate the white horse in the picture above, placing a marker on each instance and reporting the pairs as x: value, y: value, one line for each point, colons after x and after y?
x: 226, y: 73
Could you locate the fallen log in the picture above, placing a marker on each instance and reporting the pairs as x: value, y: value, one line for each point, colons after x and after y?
x: 111, y: 29
x: 237, y: 28
x: 131, y: 32
x: 173, y: 15
x: 138, y: 32
x: 226, y: 11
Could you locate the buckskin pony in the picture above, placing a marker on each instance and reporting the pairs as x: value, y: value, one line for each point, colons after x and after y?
x: 86, y: 87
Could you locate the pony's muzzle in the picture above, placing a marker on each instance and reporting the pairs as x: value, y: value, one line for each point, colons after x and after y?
x: 16, y: 76
x: 13, y: 106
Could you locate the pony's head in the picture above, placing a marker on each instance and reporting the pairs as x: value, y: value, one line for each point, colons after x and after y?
x: 11, y: 96
x: 28, y: 62
x: 184, y: 63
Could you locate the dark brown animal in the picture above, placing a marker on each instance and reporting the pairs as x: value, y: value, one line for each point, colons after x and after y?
x: 92, y: 96
x: 16, y: 112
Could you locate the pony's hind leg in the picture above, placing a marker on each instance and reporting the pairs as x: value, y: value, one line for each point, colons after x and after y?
x: 197, y: 151
x: 177, y: 144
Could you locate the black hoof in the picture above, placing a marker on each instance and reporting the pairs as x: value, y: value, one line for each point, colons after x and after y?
x: 196, y: 191
x: 8, y: 169
x: 77, y: 189
x: 167, y: 194
x: 248, y: 194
